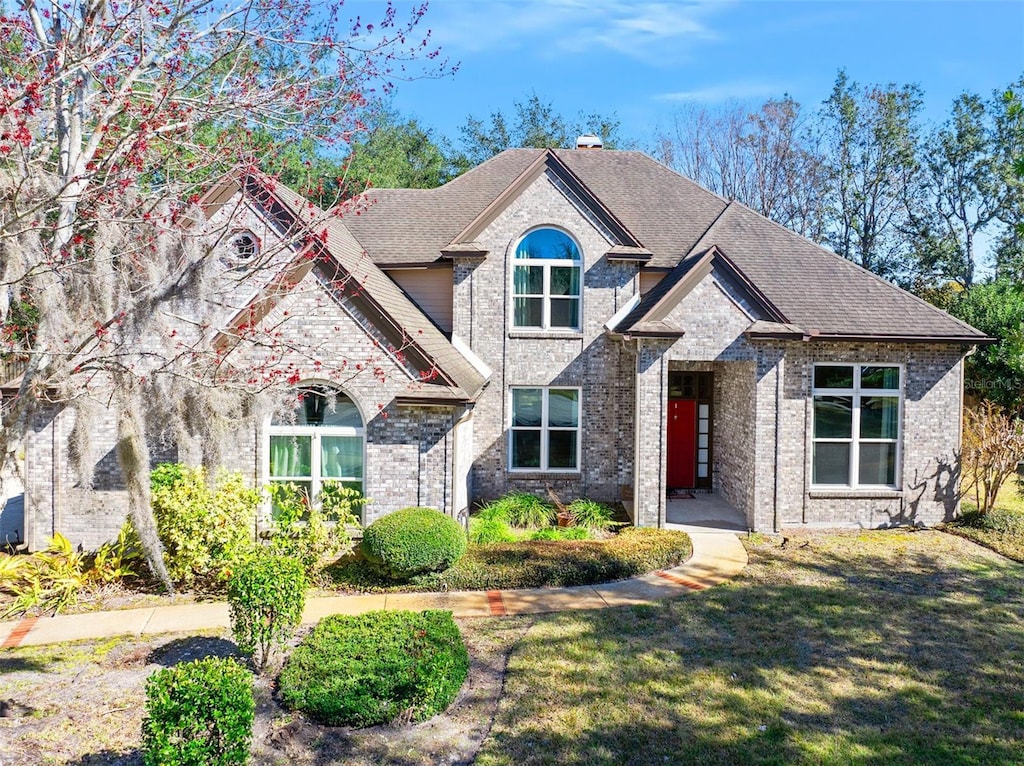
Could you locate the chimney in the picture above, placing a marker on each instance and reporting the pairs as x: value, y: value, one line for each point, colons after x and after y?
x: 589, y: 141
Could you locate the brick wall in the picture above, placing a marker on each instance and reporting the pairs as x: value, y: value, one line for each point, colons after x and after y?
x: 762, y: 420
x: 409, y: 450
x: 589, y: 358
x: 930, y: 431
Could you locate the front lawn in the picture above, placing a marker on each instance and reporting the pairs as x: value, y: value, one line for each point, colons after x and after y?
x: 873, y: 648
x: 532, y: 564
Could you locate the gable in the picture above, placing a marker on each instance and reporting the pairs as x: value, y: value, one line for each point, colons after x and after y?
x: 824, y: 294
x: 713, y: 317
x: 623, y: 243
x: 336, y: 342
x: 322, y: 246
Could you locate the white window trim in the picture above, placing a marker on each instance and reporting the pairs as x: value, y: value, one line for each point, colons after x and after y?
x: 315, y: 433
x: 545, y: 429
x: 546, y: 296
x: 857, y: 393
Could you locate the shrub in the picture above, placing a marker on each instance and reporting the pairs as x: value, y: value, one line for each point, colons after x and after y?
x: 202, y: 528
x: 266, y: 595
x: 520, y: 509
x: 376, y: 667
x: 52, y: 579
x: 591, y: 514
x: 993, y: 444
x: 998, y: 520
x: 312, y: 532
x: 487, y: 531
x: 198, y: 714
x: 413, y: 540
x: 48, y: 580
x: 116, y: 560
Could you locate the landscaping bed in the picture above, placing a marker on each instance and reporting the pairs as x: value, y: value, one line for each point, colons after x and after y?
x: 1001, y: 529
x: 82, y: 704
x: 531, y: 564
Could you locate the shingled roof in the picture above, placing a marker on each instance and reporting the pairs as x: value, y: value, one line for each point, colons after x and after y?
x: 796, y: 282
x: 803, y: 285
x: 665, y: 211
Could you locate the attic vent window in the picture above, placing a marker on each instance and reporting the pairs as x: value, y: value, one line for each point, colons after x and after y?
x: 245, y: 245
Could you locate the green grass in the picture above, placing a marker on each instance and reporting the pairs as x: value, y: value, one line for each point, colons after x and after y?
x: 1002, y: 530
x: 533, y: 564
x: 873, y: 648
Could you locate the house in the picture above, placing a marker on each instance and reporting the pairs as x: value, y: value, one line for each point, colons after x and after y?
x: 585, y: 320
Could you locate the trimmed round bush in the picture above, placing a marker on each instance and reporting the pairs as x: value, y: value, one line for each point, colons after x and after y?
x: 266, y: 595
x: 375, y: 668
x: 413, y: 541
x: 198, y: 713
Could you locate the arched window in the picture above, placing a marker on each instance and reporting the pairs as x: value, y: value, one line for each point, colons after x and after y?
x: 546, y: 281
x: 321, y: 440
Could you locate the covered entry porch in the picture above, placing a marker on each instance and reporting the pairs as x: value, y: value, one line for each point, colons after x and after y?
x: 696, y: 443
x: 704, y: 512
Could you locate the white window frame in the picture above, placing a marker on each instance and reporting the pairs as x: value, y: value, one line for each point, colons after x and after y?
x: 857, y: 394
x: 545, y: 429
x: 546, y: 296
x: 316, y: 433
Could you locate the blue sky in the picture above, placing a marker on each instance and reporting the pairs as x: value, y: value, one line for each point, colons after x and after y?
x: 644, y: 60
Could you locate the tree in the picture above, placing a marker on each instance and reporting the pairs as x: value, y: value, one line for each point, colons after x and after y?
x: 106, y: 115
x: 537, y: 125
x: 395, y: 154
x: 766, y: 158
x: 996, y: 372
x: 1008, y: 110
x: 870, y: 138
x: 993, y: 446
x: 969, y: 185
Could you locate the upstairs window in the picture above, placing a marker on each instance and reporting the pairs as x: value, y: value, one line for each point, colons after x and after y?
x: 856, y: 437
x: 321, y: 440
x: 546, y: 282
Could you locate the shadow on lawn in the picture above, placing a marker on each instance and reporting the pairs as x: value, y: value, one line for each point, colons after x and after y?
x: 21, y: 664
x: 811, y: 657
x: 109, y: 758
x: 191, y: 648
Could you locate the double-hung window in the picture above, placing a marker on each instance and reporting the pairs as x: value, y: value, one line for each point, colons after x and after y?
x: 856, y: 436
x: 322, y: 440
x: 545, y: 431
x: 546, y: 281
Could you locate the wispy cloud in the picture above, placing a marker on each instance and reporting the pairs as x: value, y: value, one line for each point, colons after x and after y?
x: 739, y: 90
x: 643, y: 30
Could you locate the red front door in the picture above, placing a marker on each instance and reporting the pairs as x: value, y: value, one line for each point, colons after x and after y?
x: 682, y: 443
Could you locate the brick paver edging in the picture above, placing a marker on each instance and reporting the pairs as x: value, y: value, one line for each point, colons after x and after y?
x: 717, y: 557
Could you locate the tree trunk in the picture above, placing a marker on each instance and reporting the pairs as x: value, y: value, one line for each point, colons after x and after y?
x: 133, y: 454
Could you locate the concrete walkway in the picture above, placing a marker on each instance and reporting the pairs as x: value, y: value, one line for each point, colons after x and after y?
x: 716, y: 557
